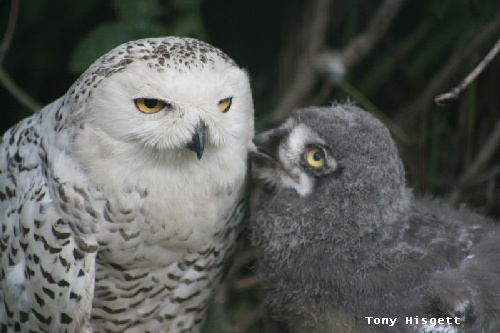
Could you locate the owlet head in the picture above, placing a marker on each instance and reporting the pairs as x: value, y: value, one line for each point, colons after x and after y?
x: 336, y: 176
x: 166, y: 94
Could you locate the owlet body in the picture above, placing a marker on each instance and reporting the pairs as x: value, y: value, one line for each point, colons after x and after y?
x: 120, y: 201
x: 342, y: 243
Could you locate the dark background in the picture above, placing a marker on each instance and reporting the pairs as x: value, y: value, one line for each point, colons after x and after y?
x: 427, y: 48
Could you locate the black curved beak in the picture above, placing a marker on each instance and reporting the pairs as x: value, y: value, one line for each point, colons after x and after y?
x: 267, y: 144
x: 197, y: 143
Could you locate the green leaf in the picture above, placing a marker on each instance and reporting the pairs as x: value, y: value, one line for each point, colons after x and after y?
x: 107, y: 36
x: 190, y: 5
x: 133, y: 9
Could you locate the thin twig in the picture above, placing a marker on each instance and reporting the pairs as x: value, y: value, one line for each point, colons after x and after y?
x: 360, y: 46
x: 310, y: 39
x: 455, y: 92
x: 310, y: 60
x: 480, y: 161
x: 414, y: 116
x: 5, y: 79
x: 246, y: 283
x: 17, y: 92
x: 336, y: 63
x: 421, y: 106
x: 11, y: 27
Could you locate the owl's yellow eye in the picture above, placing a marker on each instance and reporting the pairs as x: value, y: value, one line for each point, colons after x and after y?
x: 225, y: 104
x: 315, y: 157
x: 149, y: 105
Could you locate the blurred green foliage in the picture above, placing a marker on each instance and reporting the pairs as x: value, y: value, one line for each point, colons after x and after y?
x: 134, y: 20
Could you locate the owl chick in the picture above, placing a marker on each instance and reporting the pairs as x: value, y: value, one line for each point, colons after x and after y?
x: 120, y: 201
x: 343, y: 245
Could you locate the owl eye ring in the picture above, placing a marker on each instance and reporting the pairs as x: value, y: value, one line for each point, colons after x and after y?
x: 149, y: 105
x: 315, y: 156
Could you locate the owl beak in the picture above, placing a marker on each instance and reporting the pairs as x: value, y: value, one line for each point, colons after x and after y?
x: 267, y: 145
x: 197, y: 143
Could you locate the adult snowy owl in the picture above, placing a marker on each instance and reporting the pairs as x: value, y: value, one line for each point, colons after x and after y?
x: 120, y: 200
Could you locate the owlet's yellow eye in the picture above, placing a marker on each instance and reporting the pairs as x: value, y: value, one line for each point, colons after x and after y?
x: 149, y: 105
x: 315, y: 157
x: 225, y: 104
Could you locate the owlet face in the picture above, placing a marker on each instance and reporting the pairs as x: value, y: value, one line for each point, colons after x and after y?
x: 293, y: 156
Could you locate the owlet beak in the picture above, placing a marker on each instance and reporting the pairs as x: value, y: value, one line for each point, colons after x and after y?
x: 267, y: 144
x: 197, y: 143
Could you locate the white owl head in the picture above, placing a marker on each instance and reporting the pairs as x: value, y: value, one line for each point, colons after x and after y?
x: 165, y: 94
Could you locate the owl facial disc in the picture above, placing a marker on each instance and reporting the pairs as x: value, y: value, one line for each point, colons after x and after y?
x: 292, y: 156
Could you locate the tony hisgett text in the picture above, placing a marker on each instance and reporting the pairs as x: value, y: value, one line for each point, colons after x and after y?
x: 414, y: 321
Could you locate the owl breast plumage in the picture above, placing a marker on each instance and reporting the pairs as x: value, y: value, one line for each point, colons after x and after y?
x: 120, y: 201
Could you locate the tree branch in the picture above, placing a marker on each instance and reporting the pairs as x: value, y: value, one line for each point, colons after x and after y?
x: 17, y: 92
x: 336, y: 63
x: 361, y: 46
x: 5, y: 79
x: 453, y: 94
x: 311, y: 61
x: 479, y: 163
x: 305, y: 46
x: 9, y: 32
x: 419, y: 109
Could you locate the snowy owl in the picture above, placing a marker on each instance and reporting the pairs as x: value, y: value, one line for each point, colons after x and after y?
x: 121, y: 200
x: 344, y: 246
